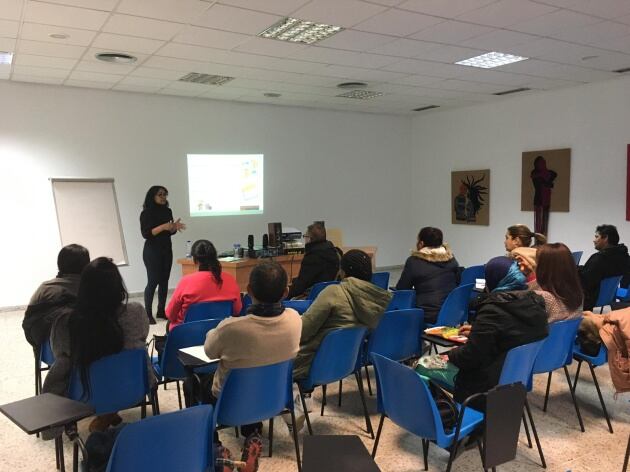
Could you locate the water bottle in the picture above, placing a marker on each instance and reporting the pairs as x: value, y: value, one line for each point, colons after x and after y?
x: 188, y: 248
x: 237, y: 246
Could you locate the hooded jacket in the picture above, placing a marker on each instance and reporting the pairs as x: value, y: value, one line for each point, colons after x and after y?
x: 433, y: 272
x: 504, y: 320
x: 320, y: 264
x: 351, y: 303
x: 608, y: 262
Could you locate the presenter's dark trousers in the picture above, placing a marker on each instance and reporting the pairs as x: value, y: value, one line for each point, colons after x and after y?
x: 158, y: 261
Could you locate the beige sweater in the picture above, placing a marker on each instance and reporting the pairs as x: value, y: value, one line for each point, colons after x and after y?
x: 252, y: 341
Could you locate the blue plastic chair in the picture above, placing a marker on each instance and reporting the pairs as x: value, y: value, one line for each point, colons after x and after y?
x: 454, y: 310
x: 318, y: 287
x: 402, y: 300
x: 298, y: 305
x: 556, y: 353
x: 336, y: 359
x: 208, y: 311
x: 593, y: 361
x: 246, y: 302
x: 407, y: 401
x: 607, y: 291
x: 381, y: 279
x: 255, y: 394
x: 170, y: 369
x: 577, y: 255
x: 470, y: 274
x: 44, y: 358
x: 159, y: 443
x: 622, y: 294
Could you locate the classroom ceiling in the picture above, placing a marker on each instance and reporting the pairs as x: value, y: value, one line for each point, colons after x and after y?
x: 404, y: 49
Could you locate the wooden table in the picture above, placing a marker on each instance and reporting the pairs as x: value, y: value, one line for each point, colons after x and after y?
x: 241, y: 268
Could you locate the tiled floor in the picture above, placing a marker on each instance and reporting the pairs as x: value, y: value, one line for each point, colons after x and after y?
x: 565, y: 447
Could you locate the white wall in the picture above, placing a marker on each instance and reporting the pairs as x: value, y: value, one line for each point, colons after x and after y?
x: 349, y: 169
x: 593, y: 120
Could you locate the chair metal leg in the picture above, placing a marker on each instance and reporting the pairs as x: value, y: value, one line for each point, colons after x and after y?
x: 577, y: 408
x: 451, y: 457
x: 75, y: 457
x: 323, y: 399
x: 625, y: 461
x: 59, y: 445
x: 308, y: 420
x: 236, y: 433
x: 535, y: 433
x: 270, y: 437
x: 156, y: 400
x: 295, y: 441
x: 179, y: 394
x: 340, y: 389
x: 367, y: 376
x: 56, y: 454
x: 425, y: 453
x: 601, y: 398
x: 378, y: 435
x: 368, y: 423
x: 577, y: 374
x: 143, y: 408
x: 547, y: 392
x: 529, y: 438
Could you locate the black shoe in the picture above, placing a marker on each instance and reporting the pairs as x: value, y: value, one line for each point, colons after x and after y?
x: 152, y: 320
x: 161, y: 316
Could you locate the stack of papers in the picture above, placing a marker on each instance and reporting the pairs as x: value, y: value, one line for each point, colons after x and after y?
x: 199, y: 353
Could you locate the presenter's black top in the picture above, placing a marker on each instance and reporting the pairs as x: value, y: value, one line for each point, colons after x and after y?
x: 152, y: 217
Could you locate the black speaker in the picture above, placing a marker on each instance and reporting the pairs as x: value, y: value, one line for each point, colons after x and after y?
x: 250, y: 241
x: 275, y: 234
x: 265, y: 241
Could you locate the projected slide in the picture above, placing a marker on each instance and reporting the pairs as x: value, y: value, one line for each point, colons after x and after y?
x: 225, y: 184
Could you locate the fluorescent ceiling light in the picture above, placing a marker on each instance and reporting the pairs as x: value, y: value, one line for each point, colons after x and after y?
x: 360, y: 94
x: 299, y: 31
x: 6, y: 57
x: 491, y: 59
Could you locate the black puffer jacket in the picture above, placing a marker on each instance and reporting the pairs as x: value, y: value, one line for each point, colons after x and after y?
x: 608, y: 262
x: 432, y: 273
x: 504, y: 320
x: 320, y: 264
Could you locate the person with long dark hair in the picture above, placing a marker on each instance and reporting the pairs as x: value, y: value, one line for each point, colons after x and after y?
x: 207, y: 285
x: 157, y: 226
x: 102, y: 323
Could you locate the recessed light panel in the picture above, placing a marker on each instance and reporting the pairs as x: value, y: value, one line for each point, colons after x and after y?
x: 6, y: 57
x: 360, y: 94
x: 299, y: 31
x: 206, y: 79
x: 116, y: 57
x: 491, y: 59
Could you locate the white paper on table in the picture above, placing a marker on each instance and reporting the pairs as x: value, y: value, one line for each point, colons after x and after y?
x: 199, y: 353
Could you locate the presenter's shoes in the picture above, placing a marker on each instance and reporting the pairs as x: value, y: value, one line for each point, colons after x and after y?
x: 161, y: 316
x: 152, y: 320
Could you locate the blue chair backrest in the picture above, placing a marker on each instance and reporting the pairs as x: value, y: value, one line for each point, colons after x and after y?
x: 454, y: 310
x: 607, y: 290
x: 397, y: 335
x: 622, y: 294
x: 246, y: 301
x: 183, y: 335
x: 208, y: 311
x: 402, y: 300
x: 173, y: 441
x: 519, y: 364
x: 557, y: 350
x: 45, y: 353
x: 336, y: 356
x: 471, y: 273
x: 117, y: 382
x: 255, y: 394
x: 406, y: 399
x: 318, y: 287
x: 381, y: 279
x: 577, y: 255
x: 298, y: 305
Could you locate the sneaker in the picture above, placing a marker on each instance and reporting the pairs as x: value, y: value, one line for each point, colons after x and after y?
x: 252, y: 450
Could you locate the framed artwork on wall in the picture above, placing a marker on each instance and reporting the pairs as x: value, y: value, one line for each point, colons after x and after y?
x: 470, y: 197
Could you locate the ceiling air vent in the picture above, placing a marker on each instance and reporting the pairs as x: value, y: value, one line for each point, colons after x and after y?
x: 360, y: 94
x: 428, y: 107
x: 621, y: 71
x: 516, y: 90
x: 207, y: 79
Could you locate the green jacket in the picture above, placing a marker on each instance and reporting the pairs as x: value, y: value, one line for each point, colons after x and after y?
x: 351, y: 303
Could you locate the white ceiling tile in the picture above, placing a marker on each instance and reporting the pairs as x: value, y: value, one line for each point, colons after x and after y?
x: 237, y: 20
x: 270, y: 47
x: 449, y: 54
x: 346, y: 13
x: 387, y: 3
x: 191, y: 86
x: 224, y: 93
x: 621, y: 44
x: 7, y: 44
x: 356, y: 40
x: 177, y: 92
x: 145, y: 82
x: 347, y: 58
x: 37, y: 32
x: 451, y: 32
x: 596, y: 34
x: 552, y: 70
x: 36, y: 79
x: 446, y: 9
x: 5, y: 71
x: 499, y: 40
x: 273, y: 63
x: 210, y: 37
x: 51, y: 49
x: 602, y: 8
x: 547, y: 84
x: 94, y: 77
x: 154, y: 73
x: 141, y: 27
x: 174, y: 64
x: 40, y: 71
x: 180, y: 11
x: 557, y: 51
x: 493, y: 76
x: 44, y: 61
x: 398, y: 23
x: 418, y: 80
x: 277, y: 7
x: 96, y: 84
x: 554, y: 22
x: 104, y: 5
x: 506, y: 12
x: 607, y: 61
x: 11, y: 9
x: 61, y: 15
x: 433, y: 69
x: 119, y: 43
x: 466, y: 86
x: 404, y: 48
x: 359, y: 74
x: 121, y: 87
x: 101, y: 67
x: 8, y: 28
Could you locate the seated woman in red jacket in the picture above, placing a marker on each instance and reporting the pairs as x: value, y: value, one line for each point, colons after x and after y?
x: 209, y: 284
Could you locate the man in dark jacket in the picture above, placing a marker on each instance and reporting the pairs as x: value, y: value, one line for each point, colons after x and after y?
x: 54, y: 296
x: 611, y: 259
x: 320, y: 263
x: 510, y: 316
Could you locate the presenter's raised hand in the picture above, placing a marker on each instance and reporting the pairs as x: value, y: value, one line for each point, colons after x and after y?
x: 178, y: 225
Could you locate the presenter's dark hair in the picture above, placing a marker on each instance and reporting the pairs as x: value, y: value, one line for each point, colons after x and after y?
x: 72, y: 259
x: 317, y: 231
x: 149, y: 199
x: 431, y: 237
x: 609, y: 232
x: 557, y: 273
x: 525, y: 235
x: 94, y: 328
x: 268, y: 281
x: 205, y: 254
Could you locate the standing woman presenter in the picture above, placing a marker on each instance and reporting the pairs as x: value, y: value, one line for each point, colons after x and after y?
x: 157, y: 226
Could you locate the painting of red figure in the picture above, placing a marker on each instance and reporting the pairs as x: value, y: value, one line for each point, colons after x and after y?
x: 545, y: 180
